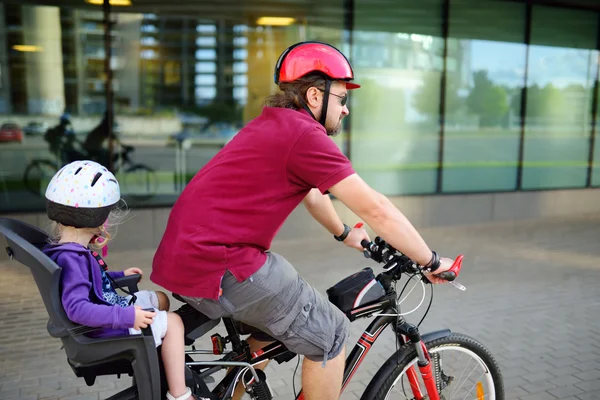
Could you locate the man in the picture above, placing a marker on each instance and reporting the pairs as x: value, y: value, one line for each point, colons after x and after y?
x: 61, y: 139
x: 214, y: 249
x: 95, y: 139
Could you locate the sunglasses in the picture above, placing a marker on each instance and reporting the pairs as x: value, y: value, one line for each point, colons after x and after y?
x: 344, y: 98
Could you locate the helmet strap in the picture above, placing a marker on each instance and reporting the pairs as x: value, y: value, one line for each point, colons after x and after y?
x: 307, y: 108
x: 325, y: 103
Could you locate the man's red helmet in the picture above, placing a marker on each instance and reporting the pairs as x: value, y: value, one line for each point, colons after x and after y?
x: 305, y: 57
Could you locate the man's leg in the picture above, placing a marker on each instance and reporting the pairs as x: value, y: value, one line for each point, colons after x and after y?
x: 278, y: 302
x: 323, y: 383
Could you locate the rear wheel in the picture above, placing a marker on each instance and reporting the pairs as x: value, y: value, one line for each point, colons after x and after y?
x: 139, y: 181
x: 463, y: 369
x: 38, y: 174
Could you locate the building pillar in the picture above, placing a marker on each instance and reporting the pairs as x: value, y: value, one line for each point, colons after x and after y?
x: 265, y: 44
x: 127, y: 56
x: 5, y: 100
x: 44, y: 68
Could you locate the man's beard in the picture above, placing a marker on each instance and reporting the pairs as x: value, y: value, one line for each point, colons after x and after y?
x: 335, y: 131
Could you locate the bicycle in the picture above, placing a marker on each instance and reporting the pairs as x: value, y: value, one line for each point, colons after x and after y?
x: 422, y: 368
x: 137, y: 180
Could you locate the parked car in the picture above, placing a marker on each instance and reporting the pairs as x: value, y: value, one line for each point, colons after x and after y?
x: 35, y: 128
x: 10, y: 132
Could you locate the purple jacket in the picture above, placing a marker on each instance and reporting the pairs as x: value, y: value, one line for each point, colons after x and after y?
x: 81, y: 291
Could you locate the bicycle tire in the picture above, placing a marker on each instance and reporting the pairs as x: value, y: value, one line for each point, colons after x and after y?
x: 34, y: 175
x: 132, y: 189
x: 388, y: 375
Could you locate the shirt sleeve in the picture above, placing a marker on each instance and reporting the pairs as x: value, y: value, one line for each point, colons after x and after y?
x: 315, y: 161
x: 115, y: 274
x: 76, y: 288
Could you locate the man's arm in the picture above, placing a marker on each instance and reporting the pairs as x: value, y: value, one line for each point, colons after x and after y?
x: 321, y: 209
x: 382, y: 216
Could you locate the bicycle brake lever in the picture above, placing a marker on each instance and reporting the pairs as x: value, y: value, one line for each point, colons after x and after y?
x: 453, y: 272
x: 458, y: 285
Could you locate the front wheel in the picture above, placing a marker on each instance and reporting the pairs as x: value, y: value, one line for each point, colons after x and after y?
x: 463, y: 369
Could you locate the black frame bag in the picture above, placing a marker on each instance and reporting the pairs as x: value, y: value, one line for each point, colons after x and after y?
x: 356, y: 290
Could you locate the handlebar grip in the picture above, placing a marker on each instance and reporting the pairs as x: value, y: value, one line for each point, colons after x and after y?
x: 447, y: 275
x: 367, y: 246
x: 454, y: 270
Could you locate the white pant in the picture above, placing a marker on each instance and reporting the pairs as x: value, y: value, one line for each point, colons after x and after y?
x: 149, y: 299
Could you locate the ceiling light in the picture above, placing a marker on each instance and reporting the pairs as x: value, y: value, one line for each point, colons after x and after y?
x: 275, y: 21
x: 111, y: 2
x: 27, y: 48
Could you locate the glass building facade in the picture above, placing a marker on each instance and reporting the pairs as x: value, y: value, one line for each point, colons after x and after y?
x: 458, y: 96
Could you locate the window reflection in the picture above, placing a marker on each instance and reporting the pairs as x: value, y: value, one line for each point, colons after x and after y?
x: 395, y: 115
x: 175, y: 79
x: 485, y: 77
x: 201, y: 77
x: 562, y: 70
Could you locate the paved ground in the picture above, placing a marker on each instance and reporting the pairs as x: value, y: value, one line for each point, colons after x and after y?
x: 532, y: 298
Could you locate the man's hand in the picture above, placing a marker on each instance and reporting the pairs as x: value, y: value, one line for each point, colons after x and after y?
x: 445, y: 265
x: 356, y: 235
x: 133, y: 271
x: 142, y: 318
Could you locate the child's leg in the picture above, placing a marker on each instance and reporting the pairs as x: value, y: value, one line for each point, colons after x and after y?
x: 163, y: 301
x: 173, y: 355
x: 154, y: 299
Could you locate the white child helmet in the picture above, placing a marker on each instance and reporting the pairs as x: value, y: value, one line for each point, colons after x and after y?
x: 82, y: 194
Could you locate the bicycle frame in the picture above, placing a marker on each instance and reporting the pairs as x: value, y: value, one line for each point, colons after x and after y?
x: 406, y: 334
x: 385, y: 312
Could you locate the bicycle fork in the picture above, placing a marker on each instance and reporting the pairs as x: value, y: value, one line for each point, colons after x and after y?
x: 411, y: 332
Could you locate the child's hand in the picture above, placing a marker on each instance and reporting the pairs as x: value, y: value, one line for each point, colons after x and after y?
x: 133, y: 271
x: 142, y: 318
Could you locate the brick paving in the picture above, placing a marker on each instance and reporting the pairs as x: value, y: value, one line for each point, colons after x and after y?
x: 532, y: 298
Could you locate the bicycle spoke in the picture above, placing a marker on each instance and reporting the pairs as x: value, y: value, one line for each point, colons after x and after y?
x: 468, y: 376
x: 474, y: 385
x: 460, y: 374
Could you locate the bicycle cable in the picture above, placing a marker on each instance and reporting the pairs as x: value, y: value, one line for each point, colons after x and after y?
x: 428, y: 307
x: 294, y: 376
x: 398, y: 320
x: 399, y: 302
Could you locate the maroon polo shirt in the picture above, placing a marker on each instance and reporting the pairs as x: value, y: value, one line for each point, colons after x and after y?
x: 229, y: 213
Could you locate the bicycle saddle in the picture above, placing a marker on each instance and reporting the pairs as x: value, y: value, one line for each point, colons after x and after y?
x: 195, y: 323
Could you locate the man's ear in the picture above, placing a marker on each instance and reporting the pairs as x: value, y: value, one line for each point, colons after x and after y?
x: 313, y: 97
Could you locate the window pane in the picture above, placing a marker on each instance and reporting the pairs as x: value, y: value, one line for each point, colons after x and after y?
x: 205, y: 80
x: 397, y: 55
x: 240, y: 80
x: 202, y: 28
x: 208, y: 92
x: 486, y: 65
x: 206, y: 66
x: 562, y: 70
x: 240, y: 54
x: 206, y: 54
x: 206, y: 41
x: 240, y: 67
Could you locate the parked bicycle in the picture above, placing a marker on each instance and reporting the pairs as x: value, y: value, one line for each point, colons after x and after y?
x: 433, y: 366
x: 138, y: 181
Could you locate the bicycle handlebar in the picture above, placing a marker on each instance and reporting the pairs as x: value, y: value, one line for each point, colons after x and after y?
x: 382, y: 252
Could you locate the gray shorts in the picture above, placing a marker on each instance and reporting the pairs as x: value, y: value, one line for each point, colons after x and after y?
x: 276, y: 300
